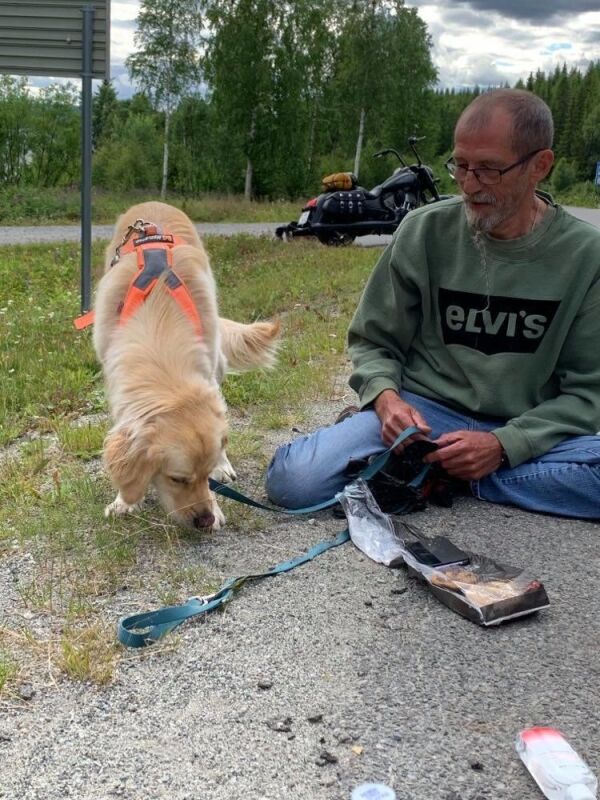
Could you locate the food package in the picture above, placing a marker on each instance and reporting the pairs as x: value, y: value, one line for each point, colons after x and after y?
x: 472, y: 585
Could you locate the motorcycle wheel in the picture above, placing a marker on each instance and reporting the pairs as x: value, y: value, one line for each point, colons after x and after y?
x: 335, y: 239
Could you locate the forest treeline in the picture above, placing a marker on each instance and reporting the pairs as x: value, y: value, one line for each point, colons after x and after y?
x: 267, y: 97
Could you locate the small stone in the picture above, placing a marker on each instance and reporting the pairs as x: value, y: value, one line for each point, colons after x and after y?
x: 280, y: 725
x: 477, y: 766
x: 395, y: 622
x: 265, y: 683
x: 26, y: 691
x: 368, y: 603
x: 312, y: 521
x: 5, y: 736
x: 399, y: 590
x: 328, y: 781
x: 342, y: 737
x: 316, y: 717
x: 325, y: 757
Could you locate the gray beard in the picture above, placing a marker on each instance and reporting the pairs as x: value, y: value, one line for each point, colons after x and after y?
x: 483, y: 224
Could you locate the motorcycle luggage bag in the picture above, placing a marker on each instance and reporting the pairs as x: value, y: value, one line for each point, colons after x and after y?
x: 346, y: 204
x: 339, y: 180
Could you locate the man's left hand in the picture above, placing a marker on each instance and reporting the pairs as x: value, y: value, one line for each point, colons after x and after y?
x: 467, y: 455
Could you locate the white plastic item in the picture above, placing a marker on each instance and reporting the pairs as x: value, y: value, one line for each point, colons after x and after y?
x: 556, y: 768
x: 370, y: 529
x: 373, y: 791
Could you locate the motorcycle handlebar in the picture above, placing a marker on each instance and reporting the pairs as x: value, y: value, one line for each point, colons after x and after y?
x: 388, y: 150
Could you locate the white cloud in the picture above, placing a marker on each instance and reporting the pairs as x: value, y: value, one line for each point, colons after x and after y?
x: 475, y: 42
x: 486, y: 47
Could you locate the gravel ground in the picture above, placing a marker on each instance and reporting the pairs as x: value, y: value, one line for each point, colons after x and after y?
x: 340, y: 672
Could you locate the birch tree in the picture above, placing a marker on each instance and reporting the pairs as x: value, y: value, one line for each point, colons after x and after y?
x: 166, y: 64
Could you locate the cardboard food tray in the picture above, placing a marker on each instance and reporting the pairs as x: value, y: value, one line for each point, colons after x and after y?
x: 492, y: 613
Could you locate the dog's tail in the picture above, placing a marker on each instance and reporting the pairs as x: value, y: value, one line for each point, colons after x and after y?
x: 249, y: 346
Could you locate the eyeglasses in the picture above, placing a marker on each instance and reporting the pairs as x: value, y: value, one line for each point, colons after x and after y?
x: 485, y: 175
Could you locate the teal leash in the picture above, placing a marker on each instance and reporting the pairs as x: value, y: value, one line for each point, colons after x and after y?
x: 141, y: 630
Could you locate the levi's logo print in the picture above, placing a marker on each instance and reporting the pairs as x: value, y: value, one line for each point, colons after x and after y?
x: 508, y: 324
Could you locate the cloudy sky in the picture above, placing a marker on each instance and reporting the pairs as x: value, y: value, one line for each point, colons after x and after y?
x: 484, y: 42
x: 488, y: 42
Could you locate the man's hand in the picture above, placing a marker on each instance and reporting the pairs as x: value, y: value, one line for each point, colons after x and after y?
x: 467, y: 455
x: 395, y: 416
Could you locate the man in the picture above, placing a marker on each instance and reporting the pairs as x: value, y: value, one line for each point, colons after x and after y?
x: 480, y: 325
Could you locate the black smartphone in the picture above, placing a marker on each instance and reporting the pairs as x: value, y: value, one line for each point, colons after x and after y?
x: 438, y: 552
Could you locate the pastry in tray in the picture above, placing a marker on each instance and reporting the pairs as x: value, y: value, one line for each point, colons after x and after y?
x: 477, y: 589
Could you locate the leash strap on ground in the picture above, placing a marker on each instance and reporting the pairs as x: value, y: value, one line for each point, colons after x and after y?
x: 148, y: 627
x: 141, y: 630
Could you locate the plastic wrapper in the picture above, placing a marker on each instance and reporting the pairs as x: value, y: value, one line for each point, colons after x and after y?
x: 474, y: 586
x: 371, y: 530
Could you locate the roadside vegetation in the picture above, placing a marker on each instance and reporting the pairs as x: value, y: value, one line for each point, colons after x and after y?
x: 67, y: 572
x: 30, y: 205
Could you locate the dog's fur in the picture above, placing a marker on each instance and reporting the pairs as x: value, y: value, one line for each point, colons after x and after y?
x: 163, y: 382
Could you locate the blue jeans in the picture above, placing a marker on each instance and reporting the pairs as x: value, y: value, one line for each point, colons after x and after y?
x: 564, y: 481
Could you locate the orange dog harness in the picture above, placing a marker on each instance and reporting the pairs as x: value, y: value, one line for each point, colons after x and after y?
x: 154, y: 250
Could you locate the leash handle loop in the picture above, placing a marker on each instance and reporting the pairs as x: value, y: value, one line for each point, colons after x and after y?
x: 141, y: 630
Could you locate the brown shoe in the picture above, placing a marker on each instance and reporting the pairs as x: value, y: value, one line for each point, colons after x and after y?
x: 349, y: 411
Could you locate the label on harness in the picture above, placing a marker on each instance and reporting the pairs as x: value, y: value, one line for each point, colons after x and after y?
x: 164, y: 238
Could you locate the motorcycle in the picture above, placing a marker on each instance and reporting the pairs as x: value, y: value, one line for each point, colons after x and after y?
x: 346, y: 210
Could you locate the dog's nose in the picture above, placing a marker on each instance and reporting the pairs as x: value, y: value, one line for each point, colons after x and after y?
x: 204, y: 520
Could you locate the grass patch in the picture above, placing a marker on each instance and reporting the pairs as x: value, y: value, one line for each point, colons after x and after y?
x: 30, y: 205
x: 8, y: 669
x: 69, y: 564
x: 88, y: 654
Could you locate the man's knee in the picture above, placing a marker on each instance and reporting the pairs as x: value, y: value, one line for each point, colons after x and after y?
x: 286, y: 483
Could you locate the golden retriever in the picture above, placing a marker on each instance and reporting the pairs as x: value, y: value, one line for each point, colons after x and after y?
x: 163, y: 380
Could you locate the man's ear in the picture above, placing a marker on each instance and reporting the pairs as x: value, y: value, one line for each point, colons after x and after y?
x: 131, y: 461
x: 542, y: 164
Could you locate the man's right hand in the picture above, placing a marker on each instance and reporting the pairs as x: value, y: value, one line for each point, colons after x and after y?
x: 396, y: 415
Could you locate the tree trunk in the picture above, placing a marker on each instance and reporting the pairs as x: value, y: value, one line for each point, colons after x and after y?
x: 311, y: 137
x: 359, y: 141
x: 249, y: 165
x: 248, y: 181
x: 163, y: 188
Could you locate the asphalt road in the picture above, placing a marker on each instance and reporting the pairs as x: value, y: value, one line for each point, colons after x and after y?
x: 23, y: 234
x: 340, y: 672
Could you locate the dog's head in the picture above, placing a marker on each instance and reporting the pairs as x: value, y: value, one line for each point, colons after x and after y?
x: 176, y: 450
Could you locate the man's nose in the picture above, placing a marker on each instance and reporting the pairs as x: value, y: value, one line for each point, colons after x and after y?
x: 470, y: 182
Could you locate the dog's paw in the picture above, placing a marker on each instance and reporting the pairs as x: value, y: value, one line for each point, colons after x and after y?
x: 219, y: 517
x: 119, y: 507
x: 224, y: 472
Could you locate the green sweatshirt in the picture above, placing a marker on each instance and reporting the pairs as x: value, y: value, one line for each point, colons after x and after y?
x: 509, y: 329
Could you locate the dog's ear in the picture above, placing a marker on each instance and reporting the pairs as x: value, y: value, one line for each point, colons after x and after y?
x: 131, y: 461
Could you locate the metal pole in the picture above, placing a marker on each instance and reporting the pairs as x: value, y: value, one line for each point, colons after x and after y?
x: 86, y: 158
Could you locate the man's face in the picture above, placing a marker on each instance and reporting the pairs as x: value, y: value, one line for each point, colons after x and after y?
x: 502, y: 206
